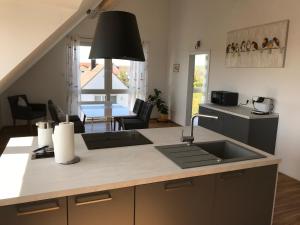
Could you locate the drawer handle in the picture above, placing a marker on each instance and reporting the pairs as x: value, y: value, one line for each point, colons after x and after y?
x: 88, y: 199
x: 178, y: 185
x: 231, y: 175
x: 38, y: 207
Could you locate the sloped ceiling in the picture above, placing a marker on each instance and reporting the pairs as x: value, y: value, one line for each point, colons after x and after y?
x: 30, y: 28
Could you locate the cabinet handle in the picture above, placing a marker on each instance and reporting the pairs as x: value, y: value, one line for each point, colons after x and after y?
x: 231, y: 175
x: 175, y: 185
x: 37, y: 207
x: 87, y: 199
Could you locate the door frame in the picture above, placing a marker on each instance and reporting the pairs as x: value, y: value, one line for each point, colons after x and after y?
x: 191, y: 71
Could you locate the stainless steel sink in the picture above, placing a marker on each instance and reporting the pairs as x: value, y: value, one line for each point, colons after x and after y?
x: 207, y: 153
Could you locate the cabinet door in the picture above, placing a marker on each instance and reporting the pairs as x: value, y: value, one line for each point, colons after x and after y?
x: 236, y: 127
x: 245, y: 197
x: 212, y: 124
x: 263, y: 134
x: 106, y: 208
x: 48, y: 212
x: 179, y: 202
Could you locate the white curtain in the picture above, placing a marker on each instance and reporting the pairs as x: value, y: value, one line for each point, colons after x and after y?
x: 138, y: 77
x: 73, y: 75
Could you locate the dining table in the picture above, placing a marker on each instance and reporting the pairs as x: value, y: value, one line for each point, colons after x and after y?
x: 105, y: 111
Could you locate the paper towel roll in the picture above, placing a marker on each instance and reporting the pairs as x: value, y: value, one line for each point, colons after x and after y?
x: 45, y: 137
x: 63, y: 142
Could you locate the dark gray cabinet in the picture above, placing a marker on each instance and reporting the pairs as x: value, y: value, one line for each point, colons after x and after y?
x: 48, y: 212
x: 107, y: 208
x: 235, y: 127
x: 187, y: 201
x: 245, y: 196
x: 259, y: 133
x: 209, y: 123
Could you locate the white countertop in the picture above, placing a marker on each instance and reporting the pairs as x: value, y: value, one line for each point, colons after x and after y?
x: 25, y: 180
x: 241, y: 111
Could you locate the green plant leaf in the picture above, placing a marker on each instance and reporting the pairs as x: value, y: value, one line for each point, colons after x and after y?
x: 156, y: 100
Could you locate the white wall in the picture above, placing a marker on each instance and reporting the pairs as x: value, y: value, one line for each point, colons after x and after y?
x: 25, y: 29
x: 209, y: 21
x: 1, y: 122
x: 45, y: 80
x: 31, y: 28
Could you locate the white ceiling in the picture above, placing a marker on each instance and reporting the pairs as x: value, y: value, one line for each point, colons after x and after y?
x: 31, y: 28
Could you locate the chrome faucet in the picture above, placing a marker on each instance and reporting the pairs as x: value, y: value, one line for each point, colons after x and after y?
x: 190, y: 139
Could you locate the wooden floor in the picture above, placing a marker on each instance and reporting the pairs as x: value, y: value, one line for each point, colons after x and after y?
x: 102, y: 127
x: 287, y: 204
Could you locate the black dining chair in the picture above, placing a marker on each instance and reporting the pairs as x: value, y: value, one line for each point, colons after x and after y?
x: 141, y: 121
x: 21, y: 109
x: 55, y: 111
x: 136, y: 109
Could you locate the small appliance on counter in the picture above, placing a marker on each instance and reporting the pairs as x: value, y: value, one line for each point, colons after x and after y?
x: 224, y: 98
x: 262, y: 105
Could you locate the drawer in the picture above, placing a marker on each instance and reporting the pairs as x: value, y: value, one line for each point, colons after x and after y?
x: 179, y: 202
x: 47, y: 212
x: 209, y: 123
x: 236, y: 128
x: 107, y: 208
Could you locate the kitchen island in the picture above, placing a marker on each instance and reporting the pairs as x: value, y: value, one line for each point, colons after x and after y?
x: 134, y: 185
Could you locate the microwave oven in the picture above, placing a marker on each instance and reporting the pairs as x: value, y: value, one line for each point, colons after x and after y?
x: 224, y: 98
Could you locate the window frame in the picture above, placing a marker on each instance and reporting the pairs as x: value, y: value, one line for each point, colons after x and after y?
x: 108, y: 90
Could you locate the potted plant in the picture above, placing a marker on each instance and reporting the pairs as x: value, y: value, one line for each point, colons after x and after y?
x: 160, y: 104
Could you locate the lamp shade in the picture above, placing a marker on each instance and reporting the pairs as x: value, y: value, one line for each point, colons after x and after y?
x: 117, y: 37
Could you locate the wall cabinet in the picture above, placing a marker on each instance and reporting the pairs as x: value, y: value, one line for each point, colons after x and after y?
x: 259, y: 133
x: 187, y: 201
x: 48, y: 212
x: 245, y: 196
x: 105, y: 208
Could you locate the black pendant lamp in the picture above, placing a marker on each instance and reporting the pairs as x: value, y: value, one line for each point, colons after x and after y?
x: 117, y: 37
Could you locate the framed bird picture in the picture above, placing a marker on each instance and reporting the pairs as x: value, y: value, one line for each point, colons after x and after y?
x: 257, y: 46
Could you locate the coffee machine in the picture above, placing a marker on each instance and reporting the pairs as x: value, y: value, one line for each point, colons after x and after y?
x: 262, y: 105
